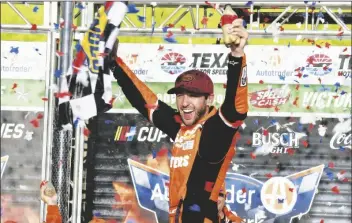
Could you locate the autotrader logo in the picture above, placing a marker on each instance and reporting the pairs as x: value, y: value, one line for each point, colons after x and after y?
x: 173, y: 63
x: 318, y: 64
x: 278, y: 195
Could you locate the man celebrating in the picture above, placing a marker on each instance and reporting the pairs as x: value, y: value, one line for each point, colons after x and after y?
x: 204, y: 137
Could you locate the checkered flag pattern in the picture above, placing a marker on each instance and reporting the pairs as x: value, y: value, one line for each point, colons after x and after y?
x: 86, y: 90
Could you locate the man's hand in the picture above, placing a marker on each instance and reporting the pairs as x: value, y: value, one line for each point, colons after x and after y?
x: 49, y: 200
x: 238, y: 30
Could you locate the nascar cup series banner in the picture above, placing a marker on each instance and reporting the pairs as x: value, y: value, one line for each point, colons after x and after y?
x: 285, y: 169
x: 268, y: 64
x: 21, y: 163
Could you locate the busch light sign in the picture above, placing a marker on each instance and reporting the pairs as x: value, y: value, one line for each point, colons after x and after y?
x: 279, y: 199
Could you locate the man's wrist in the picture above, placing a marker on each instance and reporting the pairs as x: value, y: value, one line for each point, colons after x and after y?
x: 237, y: 53
x: 52, y: 203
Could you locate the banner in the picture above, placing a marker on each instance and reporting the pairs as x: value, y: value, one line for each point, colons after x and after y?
x: 273, y: 98
x: 21, y: 165
x: 268, y: 64
x: 23, y: 60
x: 307, y: 157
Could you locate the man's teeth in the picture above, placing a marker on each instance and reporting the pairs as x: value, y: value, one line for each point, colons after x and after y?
x: 187, y: 111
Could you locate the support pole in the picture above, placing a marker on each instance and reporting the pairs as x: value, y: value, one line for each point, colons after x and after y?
x: 61, y: 158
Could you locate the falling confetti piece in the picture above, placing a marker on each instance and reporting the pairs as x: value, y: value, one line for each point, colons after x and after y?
x: 208, y: 186
x: 14, y: 86
x: 204, y: 20
x: 194, y: 207
x: 14, y: 50
x: 74, y: 27
x: 80, y: 6
x: 58, y: 73
x: 108, y: 122
x: 35, y: 123
x: 249, y: 3
x: 335, y: 190
x: 305, y: 143
x: 253, y: 156
x: 59, y: 53
x: 183, y: 28
x: 40, y: 116
x: 244, y: 190
x: 153, y: 154
x: 86, y: 132
x: 269, y: 175
x: 34, y: 27
x: 290, y: 151
x: 170, y: 40
x: 277, y: 109
x: 35, y: 9
x: 261, y: 82
x: 331, y: 165
x: 45, y: 99
x: 132, y: 8
x: 141, y: 18
x: 165, y: 29
x: 56, y: 26
x: 169, y: 34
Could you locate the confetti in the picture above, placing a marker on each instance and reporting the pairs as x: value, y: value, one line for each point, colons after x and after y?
x: 290, y: 151
x: 59, y: 53
x: 183, y: 28
x: 261, y: 82
x: 322, y: 221
x: 14, y: 50
x: 141, y: 18
x: 40, y: 116
x: 335, y: 190
x: 80, y: 6
x: 249, y: 3
x: 14, y: 86
x: 305, y: 143
x: 58, y: 73
x: 35, y: 9
x: 269, y: 175
x: 208, y: 186
x: 204, y: 20
x: 74, y: 27
x: 253, y: 156
x: 35, y: 123
x: 45, y: 99
x: 108, y: 122
x: 170, y: 40
x: 194, y: 207
x: 132, y: 8
x: 86, y: 132
x: 34, y: 27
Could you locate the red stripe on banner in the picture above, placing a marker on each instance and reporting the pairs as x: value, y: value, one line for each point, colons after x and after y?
x: 78, y: 62
x: 108, y: 4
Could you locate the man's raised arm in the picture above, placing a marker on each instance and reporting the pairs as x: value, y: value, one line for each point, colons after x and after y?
x: 235, y: 105
x: 143, y: 99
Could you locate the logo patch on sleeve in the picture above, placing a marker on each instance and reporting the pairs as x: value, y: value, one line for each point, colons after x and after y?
x: 243, y: 80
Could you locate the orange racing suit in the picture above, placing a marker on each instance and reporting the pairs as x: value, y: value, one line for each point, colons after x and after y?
x: 202, y: 152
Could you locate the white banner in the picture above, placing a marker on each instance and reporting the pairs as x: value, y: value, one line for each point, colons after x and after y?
x: 23, y: 60
x: 268, y: 64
